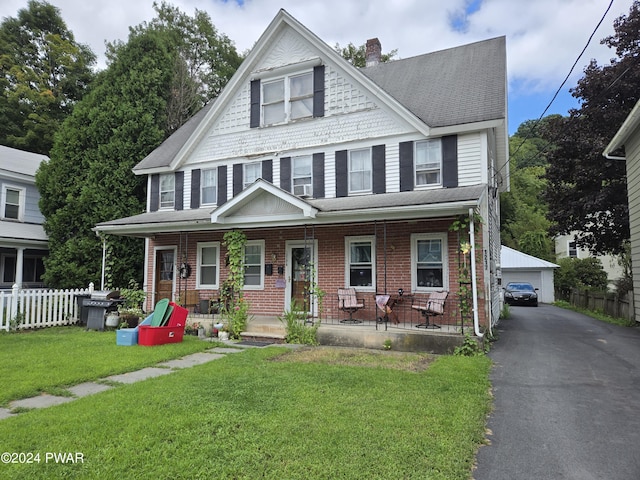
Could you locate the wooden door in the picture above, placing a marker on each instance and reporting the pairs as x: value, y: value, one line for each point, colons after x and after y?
x: 165, y: 261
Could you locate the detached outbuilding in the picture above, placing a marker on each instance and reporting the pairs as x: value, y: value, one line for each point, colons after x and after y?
x: 521, y: 267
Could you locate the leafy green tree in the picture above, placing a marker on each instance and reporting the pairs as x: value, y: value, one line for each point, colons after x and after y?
x: 357, y: 55
x: 43, y: 73
x: 89, y: 178
x: 586, y: 192
x: 579, y: 273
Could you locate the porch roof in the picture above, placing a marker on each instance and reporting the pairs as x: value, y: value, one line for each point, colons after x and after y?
x: 17, y: 234
x: 387, y: 206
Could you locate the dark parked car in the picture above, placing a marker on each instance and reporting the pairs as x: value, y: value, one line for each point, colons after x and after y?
x: 520, y: 293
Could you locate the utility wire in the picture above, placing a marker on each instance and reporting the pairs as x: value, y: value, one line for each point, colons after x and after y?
x: 532, y: 129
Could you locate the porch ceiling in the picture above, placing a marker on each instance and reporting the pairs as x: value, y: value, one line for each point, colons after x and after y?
x: 252, y: 210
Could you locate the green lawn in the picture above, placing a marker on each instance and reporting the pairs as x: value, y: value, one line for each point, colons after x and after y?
x: 267, y: 413
x: 50, y: 359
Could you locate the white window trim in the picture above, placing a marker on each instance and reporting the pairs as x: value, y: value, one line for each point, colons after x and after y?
x: 415, y: 170
x: 202, y: 186
x: 262, y: 247
x: 286, y: 78
x: 21, y: 202
x: 414, y: 261
x: 200, y: 246
x: 347, y: 263
x: 569, y: 242
x: 310, y: 176
x: 245, y: 184
x: 160, y: 192
x: 370, y: 189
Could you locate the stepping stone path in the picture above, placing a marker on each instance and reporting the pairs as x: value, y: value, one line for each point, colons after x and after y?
x: 90, y: 388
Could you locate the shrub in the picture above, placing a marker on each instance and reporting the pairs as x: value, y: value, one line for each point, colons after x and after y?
x: 298, y: 331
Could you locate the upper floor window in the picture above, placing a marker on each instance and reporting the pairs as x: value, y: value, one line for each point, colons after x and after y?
x: 208, y: 265
x: 167, y: 190
x: 301, y: 177
x: 429, y: 262
x: 573, y: 250
x: 287, y: 98
x: 253, y: 261
x: 360, y: 262
x: 13, y: 203
x: 209, y: 187
x: 360, y: 171
x: 250, y: 173
x: 428, y: 162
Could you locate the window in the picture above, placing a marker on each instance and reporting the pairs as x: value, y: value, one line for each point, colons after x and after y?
x: 573, y: 250
x: 429, y: 262
x: 360, y: 262
x: 253, y: 261
x: 209, y: 187
x: 167, y: 190
x: 287, y: 98
x: 360, y: 171
x: 33, y: 269
x: 428, y: 162
x: 251, y: 172
x: 302, y: 175
x: 13, y: 203
x: 208, y: 262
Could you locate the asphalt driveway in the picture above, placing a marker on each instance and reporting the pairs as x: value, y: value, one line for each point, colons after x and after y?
x: 566, y: 399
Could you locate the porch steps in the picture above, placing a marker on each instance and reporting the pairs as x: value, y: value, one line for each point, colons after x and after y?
x: 268, y: 329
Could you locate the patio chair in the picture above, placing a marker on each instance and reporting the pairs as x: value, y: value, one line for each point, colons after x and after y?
x: 431, y: 307
x: 349, y: 303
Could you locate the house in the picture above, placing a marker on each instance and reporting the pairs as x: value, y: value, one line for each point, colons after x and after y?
x: 520, y: 267
x: 566, y: 247
x: 354, y: 176
x: 23, y: 241
x: 627, y: 140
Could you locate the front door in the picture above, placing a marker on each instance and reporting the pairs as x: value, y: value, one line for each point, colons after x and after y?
x: 165, y: 261
x: 301, y: 268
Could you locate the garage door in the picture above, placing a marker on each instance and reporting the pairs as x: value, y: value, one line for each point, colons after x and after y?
x: 533, y: 277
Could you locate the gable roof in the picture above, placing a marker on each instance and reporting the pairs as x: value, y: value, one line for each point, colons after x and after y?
x: 512, y: 259
x: 18, y: 163
x: 461, y: 85
x: 455, y: 86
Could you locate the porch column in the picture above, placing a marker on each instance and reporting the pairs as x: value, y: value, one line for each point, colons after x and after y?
x: 19, y: 266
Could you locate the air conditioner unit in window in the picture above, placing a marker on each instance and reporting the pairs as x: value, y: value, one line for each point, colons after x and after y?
x: 302, y: 190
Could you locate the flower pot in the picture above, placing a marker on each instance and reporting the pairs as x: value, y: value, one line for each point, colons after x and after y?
x: 112, y: 320
x: 223, y: 335
x: 201, y: 332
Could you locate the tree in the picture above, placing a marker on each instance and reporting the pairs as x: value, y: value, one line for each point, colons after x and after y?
x: 586, y: 192
x: 89, y: 178
x: 579, y: 273
x: 357, y: 55
x: 43, y: 73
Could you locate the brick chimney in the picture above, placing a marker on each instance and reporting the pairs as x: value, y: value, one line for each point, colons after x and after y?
x: 373, y: 52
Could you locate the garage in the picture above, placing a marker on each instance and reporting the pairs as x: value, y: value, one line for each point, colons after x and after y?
x: 520, y: 267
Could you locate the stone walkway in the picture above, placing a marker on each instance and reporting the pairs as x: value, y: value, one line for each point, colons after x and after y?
x: 90, y: 388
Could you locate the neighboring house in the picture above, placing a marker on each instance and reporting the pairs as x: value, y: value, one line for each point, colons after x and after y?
x: 521, y: 267
x: 23, y: 242
x: 359, y: 171
x: 627, y: 140
x: 566, y: 247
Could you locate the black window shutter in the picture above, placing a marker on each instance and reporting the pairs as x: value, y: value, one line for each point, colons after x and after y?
x: 318, y: 91
x: 179, y: 191
x: 450, y: 161
x: 285, y: 174
x: 342, y: 174
x: 195, y: 188
x: 222, y: 184
x: 154, y: 196
x: 237, y: 179
x: 379, y: 174
x: 318, y: 175
x: 255, y: 104
x: 267, y: 170
x: 406, y: 166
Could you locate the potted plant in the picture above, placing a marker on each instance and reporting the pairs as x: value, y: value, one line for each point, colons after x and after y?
x: 131, y: 310
x: 223, y: 332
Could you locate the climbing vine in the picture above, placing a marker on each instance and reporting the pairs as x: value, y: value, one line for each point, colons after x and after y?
x: 234, y: 307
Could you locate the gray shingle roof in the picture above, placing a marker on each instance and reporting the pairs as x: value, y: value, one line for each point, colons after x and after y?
x: 21, y: 162
x: 450, y: 87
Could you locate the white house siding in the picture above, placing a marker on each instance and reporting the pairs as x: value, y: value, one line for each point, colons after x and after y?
x: 470, y: 159
x: 632, y: 149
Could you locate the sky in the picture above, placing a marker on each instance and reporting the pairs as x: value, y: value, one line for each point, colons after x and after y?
x: 544, y: 37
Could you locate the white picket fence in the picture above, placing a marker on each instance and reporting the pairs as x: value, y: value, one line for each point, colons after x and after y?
x: 37, y: 308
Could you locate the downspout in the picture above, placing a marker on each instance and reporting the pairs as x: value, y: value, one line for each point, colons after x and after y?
x: 474, y: 289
